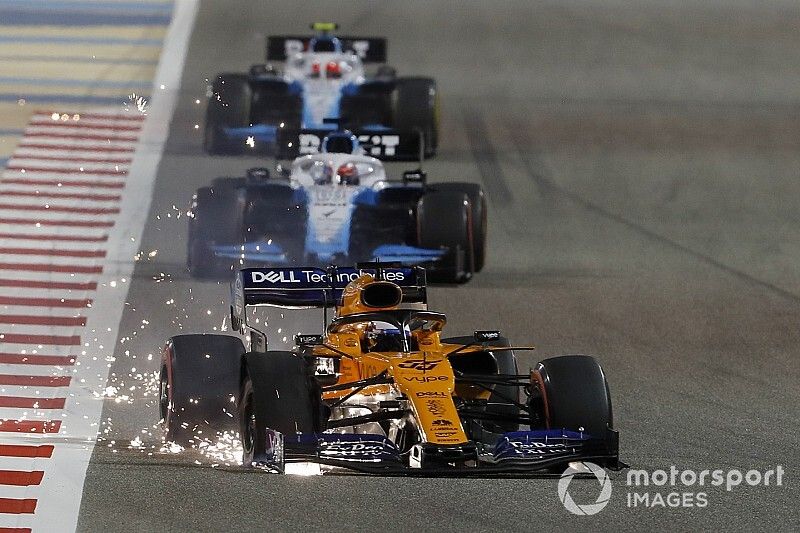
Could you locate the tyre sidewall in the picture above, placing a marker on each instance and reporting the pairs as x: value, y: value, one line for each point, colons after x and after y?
x: 415, y: 106
x: 202, y: 373
x: 444, y: 220
x: 228, y: 107
x: 477, y: 200
x: 576, y: 394
x: 284, y: 399
x: 218, y: 219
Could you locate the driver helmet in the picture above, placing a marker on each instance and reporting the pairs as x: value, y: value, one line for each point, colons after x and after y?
x: 380, y: 336
x: 347, y: 174
x: 326, y: 176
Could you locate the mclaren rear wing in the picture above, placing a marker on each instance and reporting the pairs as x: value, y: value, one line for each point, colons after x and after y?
x: 310, y: 287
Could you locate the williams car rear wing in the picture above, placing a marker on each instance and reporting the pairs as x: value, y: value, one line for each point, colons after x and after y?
x: 382, y: 143
x: 308, y: 287
x: 369, y: 49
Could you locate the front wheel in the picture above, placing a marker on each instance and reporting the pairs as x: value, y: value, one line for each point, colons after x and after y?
x: 251, y: 430
x: 277, y: 393
x: 198, y: 387
x: 574, y: 395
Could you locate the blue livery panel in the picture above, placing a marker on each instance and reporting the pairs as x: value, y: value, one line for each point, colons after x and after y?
x: 316, y: 287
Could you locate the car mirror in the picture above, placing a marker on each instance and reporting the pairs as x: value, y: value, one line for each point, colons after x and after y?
x: 308, y: 339
x: 414, y: 176
x: 255, y: 175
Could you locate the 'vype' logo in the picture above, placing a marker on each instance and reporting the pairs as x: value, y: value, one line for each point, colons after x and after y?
x: 486, y: 336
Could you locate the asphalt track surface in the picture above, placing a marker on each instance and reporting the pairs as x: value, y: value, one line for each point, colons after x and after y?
x: 643, y: 173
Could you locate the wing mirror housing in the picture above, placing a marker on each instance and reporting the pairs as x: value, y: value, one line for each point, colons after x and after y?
x: 257, y: 174
x: 304, y: 339
x: 415, y: 176
x: 486, y: 335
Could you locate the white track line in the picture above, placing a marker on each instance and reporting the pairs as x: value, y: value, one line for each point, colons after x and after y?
x: 45, y: 174
x: 23, y: 162
x: 81, y: 130
x: 51, y: 143
x: 37, y: 370
x: 55, y: 277
x: 70, y: 156
x: 55, y: 244
x: 30, y: 392
x: 7, y: 256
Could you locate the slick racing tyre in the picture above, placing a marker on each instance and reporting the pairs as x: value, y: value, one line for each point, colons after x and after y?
x: 365, y: 108
x: 277, y: 393
x: 373, y: 226
x: 278, y: 213
x: 198, y: 385
x: 477, y: 201
x: 493, y: 363
x: 415, y: 106
x: 574, y: 394
x: 276, y: 102
x: 218, y: 220
x: 228, y: 107
x: 444, y: 221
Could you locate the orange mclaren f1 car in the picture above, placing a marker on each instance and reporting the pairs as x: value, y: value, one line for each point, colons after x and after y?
x: 380, y: 390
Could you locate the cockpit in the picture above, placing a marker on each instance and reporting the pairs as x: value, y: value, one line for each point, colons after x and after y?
x: 325, y: 171
x: 396, y: 330
x: 324, y: 59
x: 325, y: 44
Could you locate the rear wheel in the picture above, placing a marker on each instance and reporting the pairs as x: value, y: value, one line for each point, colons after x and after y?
x: 444, y: 221
x: 477, y: 201
x: 365, y: 109
x: 373, y: 226
x: 198, y: 386
x: 574, y: 395
x: 277, y: 393
x: 228, y: 107
x: 274, y: 104
x: 217, y: 220
x: 415, y: 106
x: 276, y: 214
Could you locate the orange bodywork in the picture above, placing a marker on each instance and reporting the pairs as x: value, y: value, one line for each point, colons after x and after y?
x: 423, y: 376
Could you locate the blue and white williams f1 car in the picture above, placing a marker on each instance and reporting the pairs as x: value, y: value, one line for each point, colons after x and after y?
x: 320, y: 76
x: 337, y: 206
